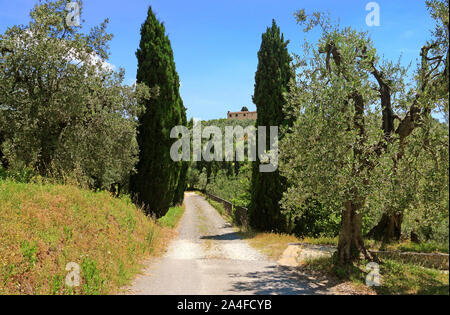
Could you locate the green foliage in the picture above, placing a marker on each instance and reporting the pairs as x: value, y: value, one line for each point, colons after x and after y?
x: 363, y: 142
x: 271, y: 83
x: 182, y: 184
x: 224, y: 179
x: 29, y: 251
x: 202, y: 180
x: 423, y: 157
x: 92, y: 281
x: 193, y: 178
x: 419, y: 188
x: 315, y: 221
x: 57, y: 282
x: 172, y: 217
x: 234, y: 188
x: 159, y: 182
x: 439, y: 11
x: 21, y: 175
x: 400, y: 278
x: 63, y: 109
x: 315, y: 154
x: 210, y: 169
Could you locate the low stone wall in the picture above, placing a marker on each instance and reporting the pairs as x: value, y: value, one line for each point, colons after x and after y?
x: 241, y: 216
x: 298, y: 253
x: 430, y: 260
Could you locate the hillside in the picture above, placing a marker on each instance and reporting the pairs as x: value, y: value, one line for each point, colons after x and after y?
x: 45, y: 227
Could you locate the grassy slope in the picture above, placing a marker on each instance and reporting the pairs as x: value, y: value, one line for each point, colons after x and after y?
x: 44, y: 227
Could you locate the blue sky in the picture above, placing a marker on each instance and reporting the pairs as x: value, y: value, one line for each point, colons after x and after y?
x: 215, y: 42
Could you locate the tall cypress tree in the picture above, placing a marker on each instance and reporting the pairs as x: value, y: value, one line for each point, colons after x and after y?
x: 182, y: 181
x: 159, y: 180
x: 271, y: 82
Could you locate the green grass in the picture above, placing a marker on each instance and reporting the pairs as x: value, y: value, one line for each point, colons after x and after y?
x: 396, y: 278
x: 320, y: 240
x: 172, y: 217
x: 45, y: 227
x: 400, y: 278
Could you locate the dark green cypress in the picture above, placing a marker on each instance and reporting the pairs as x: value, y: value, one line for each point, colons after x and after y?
x: 182, y: 179
x: 158, y: 181
x: 2, y: 159
x: 271, y: 82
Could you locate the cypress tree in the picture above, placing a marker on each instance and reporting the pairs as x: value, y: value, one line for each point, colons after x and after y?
x: 159, y: 180
x: 2, y: 160
x: 182, y: 180
x: 271, y: 82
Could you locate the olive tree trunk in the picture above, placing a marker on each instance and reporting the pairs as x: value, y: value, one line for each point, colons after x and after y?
x: 389, y: 228
x: 351, y: 242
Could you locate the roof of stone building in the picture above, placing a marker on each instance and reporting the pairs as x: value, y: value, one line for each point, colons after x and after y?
x: 242, y: 112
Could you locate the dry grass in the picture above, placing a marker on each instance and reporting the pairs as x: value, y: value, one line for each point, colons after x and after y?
x: 270, y: 244
x: 44, y: 227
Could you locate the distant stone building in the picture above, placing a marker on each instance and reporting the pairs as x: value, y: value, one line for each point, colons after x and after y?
x: 242, y: 115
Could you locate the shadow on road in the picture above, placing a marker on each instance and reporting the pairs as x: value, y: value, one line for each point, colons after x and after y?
x: 223, y: 237
x: 279, y: 280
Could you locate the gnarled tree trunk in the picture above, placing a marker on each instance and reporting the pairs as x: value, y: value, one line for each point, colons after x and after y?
x: 389, y: 228
x: 351, y: 242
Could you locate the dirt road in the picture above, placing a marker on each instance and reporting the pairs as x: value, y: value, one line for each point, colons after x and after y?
x: 209, y: 257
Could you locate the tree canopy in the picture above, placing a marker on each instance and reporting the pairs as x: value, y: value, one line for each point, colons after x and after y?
x: 355, y: 116
x: 271, y: 83
x: 159, y: 181
x: 63, y: 109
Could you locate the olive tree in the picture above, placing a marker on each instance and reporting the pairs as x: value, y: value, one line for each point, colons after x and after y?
x: 353, y: 115
x: 432, y: 85
x: 63, y: 107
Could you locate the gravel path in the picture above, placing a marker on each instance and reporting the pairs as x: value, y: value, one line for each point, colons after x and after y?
x: 209, y: 258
